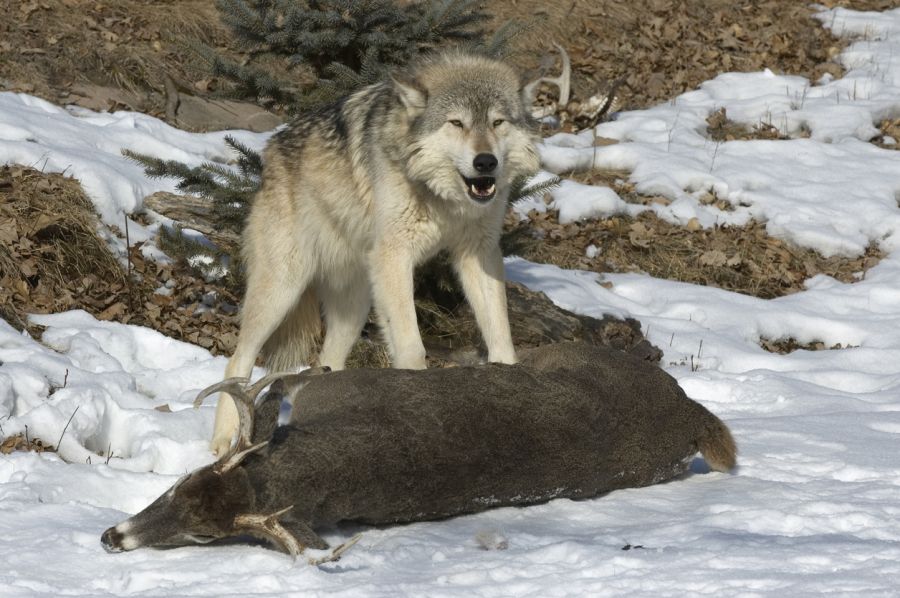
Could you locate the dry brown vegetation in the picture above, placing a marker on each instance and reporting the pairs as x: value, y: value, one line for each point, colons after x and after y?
x: 789, y: 345
x: 106, y: 54
x: 888, y: 128
x: 62, y: 50
x: 741, y: 259
x: 52, y: 259
x: 21, y: 442
x: 662, y: 48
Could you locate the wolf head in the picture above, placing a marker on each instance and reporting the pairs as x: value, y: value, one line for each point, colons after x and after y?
x: 469, y: 133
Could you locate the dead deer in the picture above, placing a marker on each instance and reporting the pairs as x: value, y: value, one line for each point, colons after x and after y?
x: 393, y: 446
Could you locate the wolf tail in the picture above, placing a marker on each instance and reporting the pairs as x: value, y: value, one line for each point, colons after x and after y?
x: 294, y: 341
x: 717, y: 445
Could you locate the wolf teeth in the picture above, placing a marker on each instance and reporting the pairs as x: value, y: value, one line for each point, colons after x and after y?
x: 489, y: 191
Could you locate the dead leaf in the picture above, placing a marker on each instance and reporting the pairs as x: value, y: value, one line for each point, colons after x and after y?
x: 714, y: 257
x: 113, y: 311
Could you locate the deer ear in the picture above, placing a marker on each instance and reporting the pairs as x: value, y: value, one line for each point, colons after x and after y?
x: 412, y: 95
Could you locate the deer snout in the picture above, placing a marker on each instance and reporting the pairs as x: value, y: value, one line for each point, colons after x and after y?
x: 485, y: 163
x: 112, y: 540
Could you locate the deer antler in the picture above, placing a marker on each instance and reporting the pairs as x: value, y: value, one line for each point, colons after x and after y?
x: 563, y: 81
x: 244, y: 396
x: 269, y: 527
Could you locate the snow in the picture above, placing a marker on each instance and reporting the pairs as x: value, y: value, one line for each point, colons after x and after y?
x: 88, y: 145
x: 814, y: 506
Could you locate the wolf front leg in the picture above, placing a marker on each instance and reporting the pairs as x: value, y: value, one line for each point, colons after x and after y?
x: 483, y: 282
x: 391, y: 273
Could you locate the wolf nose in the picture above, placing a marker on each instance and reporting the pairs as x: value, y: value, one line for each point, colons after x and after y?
x: 485, y: 163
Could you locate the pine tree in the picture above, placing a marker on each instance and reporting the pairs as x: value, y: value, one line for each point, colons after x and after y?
x: 341, y: 44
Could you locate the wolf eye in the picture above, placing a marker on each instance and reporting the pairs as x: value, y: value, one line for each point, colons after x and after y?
x: 456, y: 123
x: 498, y: 122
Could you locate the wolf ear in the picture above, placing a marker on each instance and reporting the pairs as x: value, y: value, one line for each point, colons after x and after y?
x: 411, y: 94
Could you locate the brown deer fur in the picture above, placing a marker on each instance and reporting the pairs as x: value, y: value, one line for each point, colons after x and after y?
x: 391, y: 446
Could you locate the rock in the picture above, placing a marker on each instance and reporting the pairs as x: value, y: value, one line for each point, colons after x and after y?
x: 201, y: 114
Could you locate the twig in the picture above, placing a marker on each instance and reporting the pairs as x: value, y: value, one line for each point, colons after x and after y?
x: 336, y: 553
x: 172, y: 100
x: 66, y: 378
x: 58, y: 442
x: 108, y: 453
x: 128, y: 272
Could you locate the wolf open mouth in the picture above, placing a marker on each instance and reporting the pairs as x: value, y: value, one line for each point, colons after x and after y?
x: 482, y: 188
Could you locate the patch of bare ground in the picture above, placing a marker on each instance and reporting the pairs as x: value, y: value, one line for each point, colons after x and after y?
x: 740, y: 259
x: 21, y: 442
x: 52, y: 259
x: 789, y: 345
x: 720, y: 128
x: 59, y: 49
x: 889, y: 137
x: 123, y: 54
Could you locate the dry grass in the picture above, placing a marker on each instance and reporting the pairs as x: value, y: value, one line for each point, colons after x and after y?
x: 50, y: 246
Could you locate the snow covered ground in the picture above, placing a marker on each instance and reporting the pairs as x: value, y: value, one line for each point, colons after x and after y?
x: 813, y: 508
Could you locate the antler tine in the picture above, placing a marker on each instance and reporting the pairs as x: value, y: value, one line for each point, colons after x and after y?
x: 563, y: 81
x: 269, y: 527
x: 230, y: 385
x: 258, y: 386
x: 234, y: 458
x: 244, y: 396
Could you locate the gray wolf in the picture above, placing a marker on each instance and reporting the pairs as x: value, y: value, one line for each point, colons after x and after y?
x: 358, y: 194
x: 571, y: 420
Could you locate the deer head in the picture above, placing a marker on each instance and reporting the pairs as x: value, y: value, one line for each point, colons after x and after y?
x: 218, y: 501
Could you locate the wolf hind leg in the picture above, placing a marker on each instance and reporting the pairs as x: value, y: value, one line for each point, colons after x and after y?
x: 271, y: 303
x: 293, y: 343
x: 346, y: 308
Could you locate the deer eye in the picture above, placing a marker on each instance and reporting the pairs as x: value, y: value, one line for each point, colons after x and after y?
x: 456, y: 123
x: 498, y: 122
